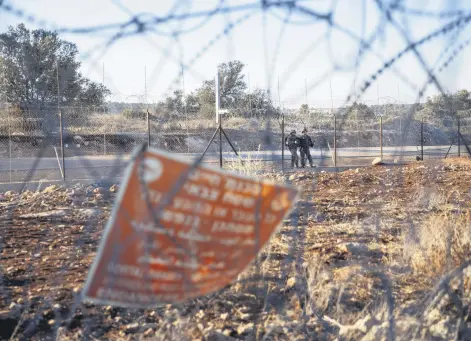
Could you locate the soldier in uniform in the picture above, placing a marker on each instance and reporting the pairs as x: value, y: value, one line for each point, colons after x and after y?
x: 292, y: 142
x: 305, y: 142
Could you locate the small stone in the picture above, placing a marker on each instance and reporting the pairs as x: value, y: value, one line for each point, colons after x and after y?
x: 291, y: 282
x: 224, y: 316
x: 51, y: 322
x: 99, y: 190
x: 114, y: 189
x: 377, y: 162
x: 9, y: 193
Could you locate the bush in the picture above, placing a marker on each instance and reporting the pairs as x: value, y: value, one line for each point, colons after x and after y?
x: 443, y: 240
x: 134, y: 114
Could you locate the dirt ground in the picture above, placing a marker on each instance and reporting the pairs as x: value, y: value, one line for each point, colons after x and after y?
x: 365, y: 255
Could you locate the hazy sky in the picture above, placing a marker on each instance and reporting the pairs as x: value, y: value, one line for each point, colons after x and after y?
x: 294, y: 47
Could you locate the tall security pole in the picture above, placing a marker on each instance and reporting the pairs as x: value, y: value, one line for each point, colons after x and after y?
x: 61, y: 126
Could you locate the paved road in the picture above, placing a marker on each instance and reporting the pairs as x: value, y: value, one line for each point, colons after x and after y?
x: 90, y: 162
x: 23, y: 170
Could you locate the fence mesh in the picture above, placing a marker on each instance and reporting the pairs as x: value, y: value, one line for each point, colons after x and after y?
x: 93, y: 133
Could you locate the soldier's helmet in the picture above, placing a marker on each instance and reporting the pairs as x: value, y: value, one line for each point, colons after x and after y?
x: 293, y: 131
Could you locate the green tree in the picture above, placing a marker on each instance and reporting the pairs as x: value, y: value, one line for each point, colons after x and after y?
x: 33, y: 64
x: 191, y: 104
x: 443, y: 109
x: 304, y: 110
x: 206, y: 99
x: 232, y: 85
x: 174, y: 104
x: 233, y: 95
x: 232, y: 88
x: 359, y: 111
x: 259, y: 103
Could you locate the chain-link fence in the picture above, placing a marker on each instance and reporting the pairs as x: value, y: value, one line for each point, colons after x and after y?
x: 344, y: 141
x: 89, y: 142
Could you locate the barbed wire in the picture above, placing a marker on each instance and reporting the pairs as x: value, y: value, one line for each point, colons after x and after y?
x: 423, y: 13
x: 445, y: 29
x: 139, y: 24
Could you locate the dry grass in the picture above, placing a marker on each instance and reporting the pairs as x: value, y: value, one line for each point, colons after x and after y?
x: 250, y: 166
x: 99, y: 123
x: 440, y: 243
x: 463, y: 161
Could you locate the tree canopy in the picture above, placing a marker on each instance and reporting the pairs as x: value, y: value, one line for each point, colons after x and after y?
x: 233, y: 96
x: 359, y: 111
x: 446, y: 108
x: 38, y: 70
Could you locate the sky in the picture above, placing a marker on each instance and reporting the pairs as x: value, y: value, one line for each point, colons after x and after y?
x: 300, y: 58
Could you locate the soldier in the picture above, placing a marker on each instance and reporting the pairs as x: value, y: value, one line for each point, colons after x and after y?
x: 292, y: 142
x: 305, y: 142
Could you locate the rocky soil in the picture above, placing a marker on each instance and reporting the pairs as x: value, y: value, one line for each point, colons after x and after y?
x: 351, y: 262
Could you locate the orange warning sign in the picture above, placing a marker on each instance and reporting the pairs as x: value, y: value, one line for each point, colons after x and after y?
x: 178, y: 232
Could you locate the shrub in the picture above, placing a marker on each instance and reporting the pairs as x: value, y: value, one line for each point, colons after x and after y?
x: 442, y: 241
x: 134, y: 114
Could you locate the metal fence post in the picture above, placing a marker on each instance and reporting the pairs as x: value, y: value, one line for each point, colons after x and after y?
x: 335, y: 140
x: 104, y: 142
x: 220, y: 140
x: 459, y: 137
x: 422, y: 139
x: 9, y: 139
x: 381, y: 136
x: 148, y: 127
x: 104, y: 135
x: 282, y: 141
x: 62, y: 143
